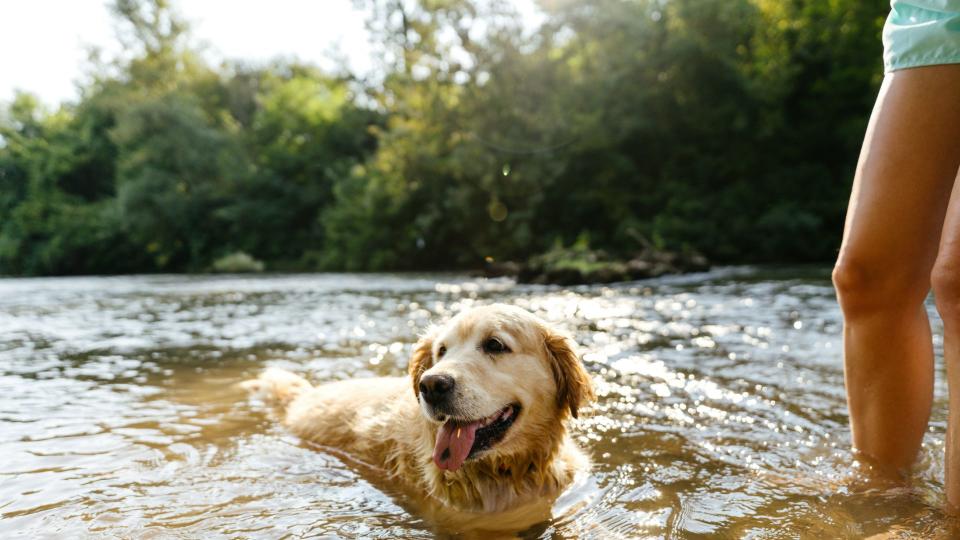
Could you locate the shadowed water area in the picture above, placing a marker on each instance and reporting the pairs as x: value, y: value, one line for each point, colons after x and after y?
x: 721, y: 410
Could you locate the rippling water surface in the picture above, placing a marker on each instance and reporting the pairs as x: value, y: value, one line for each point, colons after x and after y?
x: 721, y: 410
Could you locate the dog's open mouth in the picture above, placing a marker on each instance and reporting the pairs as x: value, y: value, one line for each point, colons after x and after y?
x: 458, y: 440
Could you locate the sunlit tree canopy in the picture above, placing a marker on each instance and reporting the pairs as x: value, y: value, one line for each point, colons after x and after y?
x: 729, y: 127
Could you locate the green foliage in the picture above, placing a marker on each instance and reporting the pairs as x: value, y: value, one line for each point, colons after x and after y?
x: 578, y: 256
x: 238, y: 262
x: 306, y: 135
x: 167, y: 165
x: 726, y: 126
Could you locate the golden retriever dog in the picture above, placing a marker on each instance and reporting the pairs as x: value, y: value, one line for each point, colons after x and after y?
x: 477, y: 436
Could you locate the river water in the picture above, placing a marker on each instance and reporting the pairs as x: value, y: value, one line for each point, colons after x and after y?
x: 721, y: 411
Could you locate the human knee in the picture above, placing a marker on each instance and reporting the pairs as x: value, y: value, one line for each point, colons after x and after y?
x: 864, y: 288
x: 945, y: 280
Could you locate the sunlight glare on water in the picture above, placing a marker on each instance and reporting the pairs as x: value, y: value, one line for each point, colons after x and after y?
x: 721, y: 409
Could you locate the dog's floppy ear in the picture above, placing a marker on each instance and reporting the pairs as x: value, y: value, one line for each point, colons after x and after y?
x: 574, y: 387
x: 420, y: 360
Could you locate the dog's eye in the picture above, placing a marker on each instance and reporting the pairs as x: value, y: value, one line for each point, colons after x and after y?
x: 494, y: 346
x: 441, y: 351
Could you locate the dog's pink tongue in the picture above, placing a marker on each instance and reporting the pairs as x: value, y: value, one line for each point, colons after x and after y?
x: 453, y: 445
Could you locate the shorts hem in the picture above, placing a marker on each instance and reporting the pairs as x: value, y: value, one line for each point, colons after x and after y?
x: 920, y: 62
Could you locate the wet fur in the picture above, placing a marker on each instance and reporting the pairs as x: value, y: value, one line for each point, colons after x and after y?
x: 381, y: 422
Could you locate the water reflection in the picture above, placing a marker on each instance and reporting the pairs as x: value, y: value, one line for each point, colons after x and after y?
x: 721, y: 410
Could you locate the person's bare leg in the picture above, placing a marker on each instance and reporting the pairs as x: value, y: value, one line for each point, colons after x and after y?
x: 900, y: 194
x: 946, y: 290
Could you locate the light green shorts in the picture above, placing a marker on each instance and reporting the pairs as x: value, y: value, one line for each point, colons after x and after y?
x: 921, y: 33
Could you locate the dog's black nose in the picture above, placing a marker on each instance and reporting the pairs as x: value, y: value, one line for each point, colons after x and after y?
x: 436, y: 388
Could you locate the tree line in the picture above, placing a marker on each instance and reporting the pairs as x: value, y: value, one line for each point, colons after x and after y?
x: 730, y: 127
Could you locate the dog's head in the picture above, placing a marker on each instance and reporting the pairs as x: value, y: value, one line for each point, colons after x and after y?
x: 496, y: 380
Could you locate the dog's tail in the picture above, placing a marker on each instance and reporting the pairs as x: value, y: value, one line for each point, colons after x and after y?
x: 277, y: 386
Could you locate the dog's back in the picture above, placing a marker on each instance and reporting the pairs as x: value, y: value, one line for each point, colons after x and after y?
x: 357, y: 415
x: 277, y: 386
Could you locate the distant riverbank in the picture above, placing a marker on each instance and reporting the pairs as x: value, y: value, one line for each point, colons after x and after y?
x: 578, y: 265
